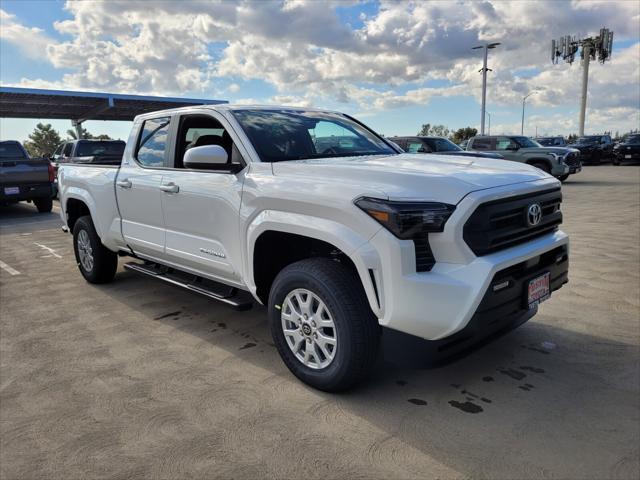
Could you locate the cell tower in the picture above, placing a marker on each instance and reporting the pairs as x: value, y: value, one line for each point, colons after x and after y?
x: 592, y: 47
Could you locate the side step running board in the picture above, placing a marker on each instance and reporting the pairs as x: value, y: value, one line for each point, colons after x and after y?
x: 238, y: 299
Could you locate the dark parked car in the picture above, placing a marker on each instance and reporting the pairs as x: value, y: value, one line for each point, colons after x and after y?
x: 594, y: 148
x: 628, y: 150
x: 97, y: 152
x: 25, y: 179
x: 437, y: 145
x: 551, y: 141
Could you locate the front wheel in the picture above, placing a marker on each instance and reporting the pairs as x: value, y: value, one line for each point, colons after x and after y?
x: 96, y: 262
x: 322, y: 325
x: 562, y: 178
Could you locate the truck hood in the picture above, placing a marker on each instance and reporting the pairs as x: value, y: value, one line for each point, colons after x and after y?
x: 556, y: 150
x: 411, y: 176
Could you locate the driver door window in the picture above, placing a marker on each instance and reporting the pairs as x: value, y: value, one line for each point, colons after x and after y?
x: 417, y: 147
x: 505, y: 143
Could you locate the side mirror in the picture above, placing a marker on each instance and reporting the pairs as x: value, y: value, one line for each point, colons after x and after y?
x: 206, y: 157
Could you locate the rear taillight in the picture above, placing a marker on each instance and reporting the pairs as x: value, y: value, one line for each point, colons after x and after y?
x: 52, y: 173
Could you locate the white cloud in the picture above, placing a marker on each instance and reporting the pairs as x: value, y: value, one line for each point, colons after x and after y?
x: 309, y: 56
x: 31, y: 41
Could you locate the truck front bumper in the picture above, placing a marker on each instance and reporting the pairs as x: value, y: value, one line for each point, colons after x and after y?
x: 560, y: 169
x: 437, y: 304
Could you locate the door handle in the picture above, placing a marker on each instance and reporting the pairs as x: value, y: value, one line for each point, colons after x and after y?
x: 170, y: 188
x: 126, y: 183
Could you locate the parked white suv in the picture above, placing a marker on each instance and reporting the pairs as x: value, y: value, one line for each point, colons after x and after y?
x: 316, y: 216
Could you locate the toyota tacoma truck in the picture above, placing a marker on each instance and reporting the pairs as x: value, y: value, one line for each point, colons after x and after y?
x: 25, y: 179
x: 557, y: 161
x: 340, y: 235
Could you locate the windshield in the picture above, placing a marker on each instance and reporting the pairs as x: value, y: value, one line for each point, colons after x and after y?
x: 442, y: 145
x: 545, y: 142
x: 11, y: 150
x: 588, y: 140
x: 280, y: 135
x: 87, y: 149
x: 525, y: 142
x: 632, y: 139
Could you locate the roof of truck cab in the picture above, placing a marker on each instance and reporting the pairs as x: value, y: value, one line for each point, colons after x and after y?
x: 230, y: 107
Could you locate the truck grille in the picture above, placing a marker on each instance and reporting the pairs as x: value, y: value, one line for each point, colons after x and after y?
x: 503, y: 223
x: 573, y: 159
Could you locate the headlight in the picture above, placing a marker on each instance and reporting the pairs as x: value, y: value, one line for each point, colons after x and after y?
x: 406, y: 220
x: 556, y: 156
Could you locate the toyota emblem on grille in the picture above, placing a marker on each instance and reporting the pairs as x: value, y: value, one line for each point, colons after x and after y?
x: 534, y: 214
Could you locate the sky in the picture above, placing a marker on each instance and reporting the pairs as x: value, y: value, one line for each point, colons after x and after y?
x: 394, y: 65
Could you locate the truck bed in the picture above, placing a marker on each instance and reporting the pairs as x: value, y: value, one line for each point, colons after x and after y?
x: 74, y: 181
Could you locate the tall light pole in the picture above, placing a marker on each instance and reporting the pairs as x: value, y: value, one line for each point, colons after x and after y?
x: 486, y: 47
x: 567, y: 46
x: 524, y: 99
x: 489, y: 126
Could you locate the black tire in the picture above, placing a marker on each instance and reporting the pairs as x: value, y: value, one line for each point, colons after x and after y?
x: 44, y: 205
x: 105, y: 262
x: 616, y: 163
x: 357, y: 329
x: 596, y: 158
x: 563, y: 178
x: 542, y: 166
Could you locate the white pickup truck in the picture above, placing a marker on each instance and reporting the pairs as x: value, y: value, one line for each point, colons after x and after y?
x: 343, y: 237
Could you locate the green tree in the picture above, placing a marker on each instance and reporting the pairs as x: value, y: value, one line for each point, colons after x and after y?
x: 463, y: 134
x: 72, y: 135
x: 43, y: 141
x: 424, y: 131
x: 440, y: 131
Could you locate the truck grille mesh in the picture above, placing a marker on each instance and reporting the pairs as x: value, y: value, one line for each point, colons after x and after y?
x: 503, y: 223
x: 573, y: 159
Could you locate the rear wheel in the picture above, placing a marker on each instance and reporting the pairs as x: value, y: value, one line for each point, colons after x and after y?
x: 44, y: 205
x: 96, y: 262
x: 322, y: 325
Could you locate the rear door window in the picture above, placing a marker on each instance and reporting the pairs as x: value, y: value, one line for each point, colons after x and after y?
x: 481, y: 143
x: 152, y: 143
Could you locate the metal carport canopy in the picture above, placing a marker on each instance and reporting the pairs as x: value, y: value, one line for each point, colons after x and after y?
x: 81, y: 106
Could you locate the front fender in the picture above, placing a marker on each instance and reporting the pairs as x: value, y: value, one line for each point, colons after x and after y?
x: 351, y: 243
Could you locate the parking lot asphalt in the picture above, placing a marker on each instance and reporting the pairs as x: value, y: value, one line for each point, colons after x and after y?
x: 139, y: 379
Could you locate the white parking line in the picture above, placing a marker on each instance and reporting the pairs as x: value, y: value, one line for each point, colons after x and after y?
x: 8, y: 269
x: 48, y: 249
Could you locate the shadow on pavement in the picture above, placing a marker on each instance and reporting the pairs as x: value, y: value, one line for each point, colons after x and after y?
x: 541, y: 400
